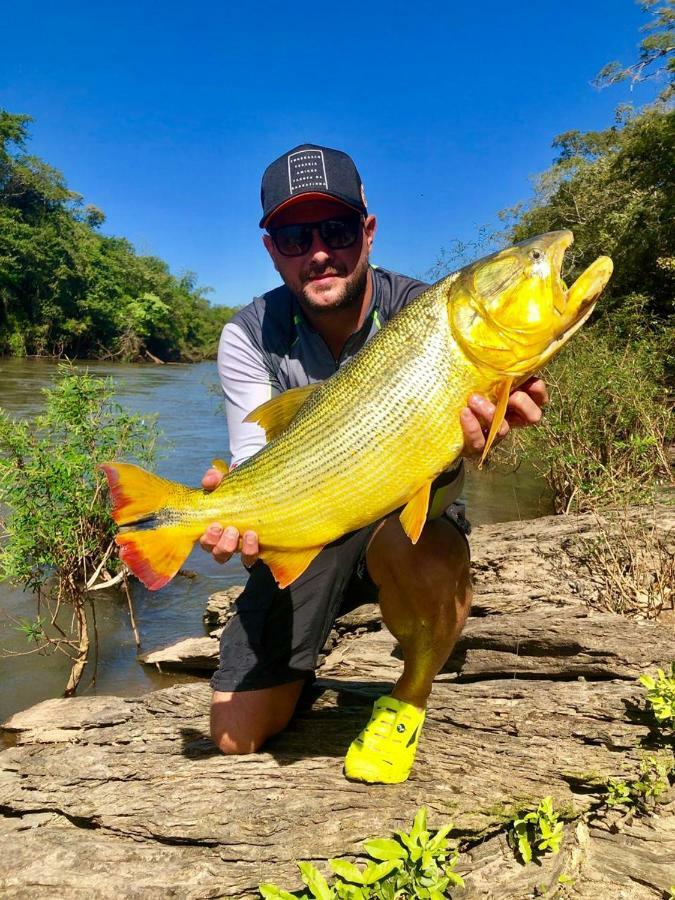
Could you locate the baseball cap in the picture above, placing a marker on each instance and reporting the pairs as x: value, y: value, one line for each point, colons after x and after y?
x: 309, y: 171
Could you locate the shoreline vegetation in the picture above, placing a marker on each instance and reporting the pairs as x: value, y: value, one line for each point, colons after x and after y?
x: 68, y: 291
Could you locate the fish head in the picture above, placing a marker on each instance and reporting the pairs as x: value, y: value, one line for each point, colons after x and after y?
x: 511, y: 312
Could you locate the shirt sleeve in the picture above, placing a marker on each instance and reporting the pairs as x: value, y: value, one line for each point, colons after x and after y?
x: 246, y: 383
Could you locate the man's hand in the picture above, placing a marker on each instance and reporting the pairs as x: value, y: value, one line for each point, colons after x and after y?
x: 223, y: 543
x: 524, y: 408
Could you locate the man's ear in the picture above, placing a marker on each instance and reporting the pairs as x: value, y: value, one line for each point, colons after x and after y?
x: 269, y: 246
x: 370, y: 227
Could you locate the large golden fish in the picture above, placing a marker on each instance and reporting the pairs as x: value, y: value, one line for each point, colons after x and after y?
x: 373, y: 437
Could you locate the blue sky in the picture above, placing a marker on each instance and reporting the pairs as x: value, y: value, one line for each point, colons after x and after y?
x: 164, y: 115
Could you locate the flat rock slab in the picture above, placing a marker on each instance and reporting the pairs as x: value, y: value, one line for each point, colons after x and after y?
x: 99, y: 789
x: 115, y: 797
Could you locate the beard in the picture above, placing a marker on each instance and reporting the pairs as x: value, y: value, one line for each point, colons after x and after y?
x: 350, y: 296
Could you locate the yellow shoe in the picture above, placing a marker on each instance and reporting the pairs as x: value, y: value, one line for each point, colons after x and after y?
x: 385, y: 750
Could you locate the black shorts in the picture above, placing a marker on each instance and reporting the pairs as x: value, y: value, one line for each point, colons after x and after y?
x: 277, y: 635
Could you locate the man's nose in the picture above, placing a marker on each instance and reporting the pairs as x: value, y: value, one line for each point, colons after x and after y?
x: 318, y: 248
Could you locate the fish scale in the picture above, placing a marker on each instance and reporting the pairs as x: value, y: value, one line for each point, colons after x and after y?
x: 373, y: 437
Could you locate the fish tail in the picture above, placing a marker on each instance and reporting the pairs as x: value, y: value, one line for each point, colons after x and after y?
x: 156, y: 550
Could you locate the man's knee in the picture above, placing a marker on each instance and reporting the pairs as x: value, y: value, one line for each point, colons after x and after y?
x: 242, y: 721
x: 441, y: 554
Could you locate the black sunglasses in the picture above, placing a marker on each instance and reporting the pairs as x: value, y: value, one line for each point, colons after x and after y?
x: 337, y: 234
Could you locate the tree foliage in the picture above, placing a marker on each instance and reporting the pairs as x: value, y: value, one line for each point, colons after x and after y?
x: 615, y: 189
x: 604, y: 439
x: 55, y: 524
x: 67, y: 289
x: 657, y: 51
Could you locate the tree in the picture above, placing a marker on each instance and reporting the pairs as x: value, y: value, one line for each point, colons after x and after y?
x: 657, y: 51
x: 67, y: 289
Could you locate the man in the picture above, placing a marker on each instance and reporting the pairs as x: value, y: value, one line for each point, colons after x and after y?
x: 319, y: 235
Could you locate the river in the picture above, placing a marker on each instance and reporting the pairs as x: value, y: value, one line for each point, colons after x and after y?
x: 190, y: 414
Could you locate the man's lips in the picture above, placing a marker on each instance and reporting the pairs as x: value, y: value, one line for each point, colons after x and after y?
x: 325, y: 276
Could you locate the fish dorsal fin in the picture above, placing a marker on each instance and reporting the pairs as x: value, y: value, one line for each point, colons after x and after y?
x: 221, y: 466
x: 287, y: 565
x: 276, y: 414
x: 414, y: 513
x: 500, y: 411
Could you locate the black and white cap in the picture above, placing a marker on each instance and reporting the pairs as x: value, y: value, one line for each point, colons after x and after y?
x: 310, y: 170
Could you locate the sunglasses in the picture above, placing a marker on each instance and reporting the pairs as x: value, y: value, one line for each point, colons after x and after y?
x: 337, y: 234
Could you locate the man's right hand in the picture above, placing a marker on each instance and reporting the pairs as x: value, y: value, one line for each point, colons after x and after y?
x: 223, y: 543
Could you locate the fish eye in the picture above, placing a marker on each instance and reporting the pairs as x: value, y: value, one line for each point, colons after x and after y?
x: 536, y: 254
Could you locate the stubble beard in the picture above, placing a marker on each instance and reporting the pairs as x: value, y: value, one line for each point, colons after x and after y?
x: 353, y: 291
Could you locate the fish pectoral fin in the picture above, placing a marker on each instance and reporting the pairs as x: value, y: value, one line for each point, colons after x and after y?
x: 287, y: 565
x: 155, y: 556
x: 276, y: 414
x: 498, y: 418
x: 414, y: 513
x: 221, y: 466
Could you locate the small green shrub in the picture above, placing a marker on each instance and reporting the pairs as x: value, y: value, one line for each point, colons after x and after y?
x: 643, y: 793
x: 602, y: 439
x: 535, y: 832
x: 417, y: 864
x: 56, y: 528
x: 661, y: 696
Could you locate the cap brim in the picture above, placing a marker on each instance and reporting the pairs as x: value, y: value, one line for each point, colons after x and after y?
x: 303, y: 197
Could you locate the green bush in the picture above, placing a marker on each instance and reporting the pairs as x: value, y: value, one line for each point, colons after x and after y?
x: 602, y: 438
x: 537, y: 831
x: 413, y: 864
x: 58, y: 533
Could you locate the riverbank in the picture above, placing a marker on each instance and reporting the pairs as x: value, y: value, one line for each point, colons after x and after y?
x: 106, y: 796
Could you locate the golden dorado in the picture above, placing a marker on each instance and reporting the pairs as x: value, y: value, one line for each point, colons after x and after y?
x: 372, y: 438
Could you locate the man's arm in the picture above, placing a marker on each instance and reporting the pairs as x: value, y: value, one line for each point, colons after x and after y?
x: 246, y: 384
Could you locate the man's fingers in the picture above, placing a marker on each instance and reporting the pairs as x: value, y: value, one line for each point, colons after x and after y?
x: 210, y: 537
x: 249, y: 548
x: 211, y: 479
x: 227, y: 545
x: 474, y: 439
x: 522, y: 409
x: 536, y: 389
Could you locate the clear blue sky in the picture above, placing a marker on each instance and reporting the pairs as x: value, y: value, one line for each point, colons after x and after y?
x: 164, y: 115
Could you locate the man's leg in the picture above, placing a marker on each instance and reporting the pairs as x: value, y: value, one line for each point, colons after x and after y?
x: 241, y: 721
x: 425, y: 595
x: 269, y: 649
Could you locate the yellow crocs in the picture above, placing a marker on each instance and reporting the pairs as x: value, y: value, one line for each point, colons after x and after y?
x: 385, y: 750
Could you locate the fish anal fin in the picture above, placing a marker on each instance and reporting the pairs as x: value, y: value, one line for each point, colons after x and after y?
x: 276, y: 414
x: 503, y: 394
x: 287, y: 565
x: 155, y: 556
x: 414, y: 513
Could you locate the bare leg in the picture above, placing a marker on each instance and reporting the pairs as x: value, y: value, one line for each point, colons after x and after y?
x: 425, y: 594
x: 241, y: 722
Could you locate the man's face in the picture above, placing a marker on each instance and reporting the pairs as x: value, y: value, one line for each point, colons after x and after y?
x: 323, y: 279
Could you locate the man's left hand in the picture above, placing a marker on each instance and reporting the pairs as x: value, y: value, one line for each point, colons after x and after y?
x: 524, y: 408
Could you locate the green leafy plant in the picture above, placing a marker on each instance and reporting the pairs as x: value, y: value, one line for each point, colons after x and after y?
x: 535, y: 832
x: 661, y: 695
x: 415, y: 864
x: 57, y: 533
x: 619, y: 793
x: 643, y: 793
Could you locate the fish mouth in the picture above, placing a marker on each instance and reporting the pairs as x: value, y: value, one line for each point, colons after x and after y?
x: 518, y: 311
